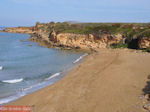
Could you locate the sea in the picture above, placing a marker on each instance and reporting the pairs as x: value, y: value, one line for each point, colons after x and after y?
x: 26, y: 67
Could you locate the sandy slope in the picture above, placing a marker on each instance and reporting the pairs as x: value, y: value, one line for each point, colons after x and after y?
x: 107, y: 81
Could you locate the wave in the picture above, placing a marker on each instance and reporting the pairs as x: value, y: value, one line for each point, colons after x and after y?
x: 12, y: 81
x: 11, y: 98
x: 42, y: 83
x: 42, y: 76
x: 27, y: 90
x: 77, y: 60
x: 33, y: 86
x: 54, y: 75
x: 1, y: 67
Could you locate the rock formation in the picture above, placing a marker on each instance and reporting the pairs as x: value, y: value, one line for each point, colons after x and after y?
x: 28, y: 30
x: 144, y: 42
x: 86, y: 37
x: 83, y: 41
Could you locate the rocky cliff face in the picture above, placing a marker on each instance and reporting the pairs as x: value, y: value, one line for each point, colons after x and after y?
x: 144, y: 43
x: 85, y: 41
x: 41, y: 33
x: 82, y: 41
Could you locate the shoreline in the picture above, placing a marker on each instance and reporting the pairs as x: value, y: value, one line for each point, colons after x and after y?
x: 52, y: 79
x: 50, y: 45
x: 114, y: 77
x: 137, y: 96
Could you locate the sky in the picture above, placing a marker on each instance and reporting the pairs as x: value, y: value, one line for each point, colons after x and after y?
x: 28, y: 12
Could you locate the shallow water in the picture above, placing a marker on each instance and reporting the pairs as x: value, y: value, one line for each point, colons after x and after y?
x: 27, y: 67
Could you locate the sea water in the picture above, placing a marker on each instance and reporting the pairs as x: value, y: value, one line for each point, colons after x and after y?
x: 26, y: 67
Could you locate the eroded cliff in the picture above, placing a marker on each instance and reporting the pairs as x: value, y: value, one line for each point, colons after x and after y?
x: 83, y: 41
x: 88, y: 35
x: 144, y: 42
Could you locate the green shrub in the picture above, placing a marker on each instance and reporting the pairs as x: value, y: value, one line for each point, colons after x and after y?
x: 119, y: 45
x: 146, y: 50
x: 145, y: 33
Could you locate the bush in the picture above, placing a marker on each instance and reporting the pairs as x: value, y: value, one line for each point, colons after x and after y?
x: 145, y: 33
x: 120, y: 45
x: 146, y: 50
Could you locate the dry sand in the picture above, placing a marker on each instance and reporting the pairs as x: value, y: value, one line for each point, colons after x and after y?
x: 107, y: 81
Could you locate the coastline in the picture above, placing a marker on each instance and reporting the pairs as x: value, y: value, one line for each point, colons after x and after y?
x: 108, y: 81
x: 122, y: 91
x: 48, y: 81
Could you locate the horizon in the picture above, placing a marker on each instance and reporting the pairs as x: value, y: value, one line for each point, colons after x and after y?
x: 81, y: 22
x: 27, y: 13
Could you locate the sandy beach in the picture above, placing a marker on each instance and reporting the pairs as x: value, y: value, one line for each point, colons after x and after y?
x: 106, y: 81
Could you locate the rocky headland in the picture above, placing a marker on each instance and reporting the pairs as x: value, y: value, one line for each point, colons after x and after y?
x: 88, y: 36
x: 28, y: 30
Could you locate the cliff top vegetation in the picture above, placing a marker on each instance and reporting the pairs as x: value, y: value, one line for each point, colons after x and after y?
x: 128, y: 29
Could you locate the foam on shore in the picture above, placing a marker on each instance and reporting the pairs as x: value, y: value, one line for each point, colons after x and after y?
x: 11, y: 98
x: 28, y: 90
x: 77, y: 60
x: 56, y: 74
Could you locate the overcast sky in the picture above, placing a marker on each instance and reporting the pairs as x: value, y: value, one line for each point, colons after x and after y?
x: 27, y: 12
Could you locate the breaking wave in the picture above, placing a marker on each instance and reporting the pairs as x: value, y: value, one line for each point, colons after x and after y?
x: 56, y: 74
x: 13, y: 81
x: 1, y: 67
x: 77, y: 60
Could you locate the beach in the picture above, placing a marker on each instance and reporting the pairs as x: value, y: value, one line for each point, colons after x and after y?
x: 26, y: 67
x: 106, y: 81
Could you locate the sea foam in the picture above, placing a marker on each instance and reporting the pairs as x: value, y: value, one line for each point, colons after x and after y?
x: 56, y: 74
x: 11, y: 98
x: 77, y: 60
x: 1, y: 67
x: 13, y: 81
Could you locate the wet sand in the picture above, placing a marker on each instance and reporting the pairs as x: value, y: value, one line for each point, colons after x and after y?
x: 106, y: 81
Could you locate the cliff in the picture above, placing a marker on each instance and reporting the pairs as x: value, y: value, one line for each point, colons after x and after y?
x: 144, y: 39
x: 88, y: 35
x: 82, y: 41
x: 92, y: 35
x: 144, y: 42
